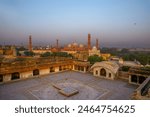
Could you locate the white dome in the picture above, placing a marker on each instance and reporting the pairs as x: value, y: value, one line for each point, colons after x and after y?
x: 75, y: 44
x: 94, y: 48
x: 69, y: 45
x: 81, y: 45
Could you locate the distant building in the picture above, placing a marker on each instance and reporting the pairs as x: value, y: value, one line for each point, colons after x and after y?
x: 74, y: 47
x: 81, y: 55
x: 41, y: 51
x: 94, y: 51
x: 56, y: 48
x: 139, y: 49
x: 125, y: 63
x: 8, y: 51
x: 1, y: 51
x: 105, y: 56
x: 81, y: 51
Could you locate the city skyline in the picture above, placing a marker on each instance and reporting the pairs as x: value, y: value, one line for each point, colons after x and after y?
x: 115, y: 23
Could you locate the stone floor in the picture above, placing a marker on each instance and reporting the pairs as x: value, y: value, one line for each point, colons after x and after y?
x: 88, y: 86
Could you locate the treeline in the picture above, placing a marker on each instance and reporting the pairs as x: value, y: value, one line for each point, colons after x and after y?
x: 93, y: 59
x: 142, y: 57
x: 59, y: 54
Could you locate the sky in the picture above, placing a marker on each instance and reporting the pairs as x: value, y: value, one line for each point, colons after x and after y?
x: 116, y: 23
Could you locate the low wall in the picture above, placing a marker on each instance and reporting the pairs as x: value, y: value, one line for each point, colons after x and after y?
x: 123, y: 75
x: 44, y: 71
x: 138, y: 92
x: 29, y: 74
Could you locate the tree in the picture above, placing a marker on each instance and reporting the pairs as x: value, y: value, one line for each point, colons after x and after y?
x: 124, y: 50
x: 46, y: 54
x: 54, y: 54
x: 125, y: 68
x: 62, y: 54
x: 93, y: 59
x: 28, y: 53
x: 21, y: 48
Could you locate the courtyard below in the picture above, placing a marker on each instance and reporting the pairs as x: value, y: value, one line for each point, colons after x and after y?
x: 67, y: 85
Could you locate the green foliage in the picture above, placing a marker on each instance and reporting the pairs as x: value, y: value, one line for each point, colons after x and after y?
x: 21, y: 48
x: 142, y: 57
x: 124, y: 50
x: 146, y: 68
x: 112, y: 51
x: 125, y: 68
x: 59, y: 54
x: 94, y: 59
x: 46, y: 54
x: 28, y: 53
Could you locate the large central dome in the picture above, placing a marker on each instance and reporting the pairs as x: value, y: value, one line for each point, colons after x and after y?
x: 75, y: 44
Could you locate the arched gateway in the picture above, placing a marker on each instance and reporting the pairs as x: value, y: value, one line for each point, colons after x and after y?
x: 36, y: 72
x: 103, y: 72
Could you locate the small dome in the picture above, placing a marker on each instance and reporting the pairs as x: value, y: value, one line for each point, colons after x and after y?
x: 94, y: 48
x: 69, y: 45
x: 81, y: 45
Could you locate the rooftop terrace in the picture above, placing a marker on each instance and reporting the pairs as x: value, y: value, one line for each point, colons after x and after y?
x: 88, y: 87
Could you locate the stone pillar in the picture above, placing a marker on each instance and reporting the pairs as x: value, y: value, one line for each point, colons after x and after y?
x: 84, y: 69
x: 73, y: 67
x: 7, y: 78
x: 25, y: 75
x: 112, y: 76
x: 44, y: 71
x: 56, y: 69
x: 94, y: 72
x: 97, y: 73
x: 107, y: 74
x: 130, y: 79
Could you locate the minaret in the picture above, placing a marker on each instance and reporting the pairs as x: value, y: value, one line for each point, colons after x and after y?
x: 97, y: 44
x: 30, y: 43
x: 89, y: 41
x: 57, y: 44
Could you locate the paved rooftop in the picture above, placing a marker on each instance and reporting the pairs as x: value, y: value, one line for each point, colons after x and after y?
x: 88, y: 87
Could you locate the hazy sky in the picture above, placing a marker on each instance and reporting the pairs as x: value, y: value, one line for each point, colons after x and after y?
x: 116, y: 23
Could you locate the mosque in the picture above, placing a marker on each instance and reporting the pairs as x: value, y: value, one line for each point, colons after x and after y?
x: 81, y: 47
x: 78, y: 50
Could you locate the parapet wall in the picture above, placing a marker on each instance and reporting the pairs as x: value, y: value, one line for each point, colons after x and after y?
x: 143, y: 91
x: 19, y: 70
